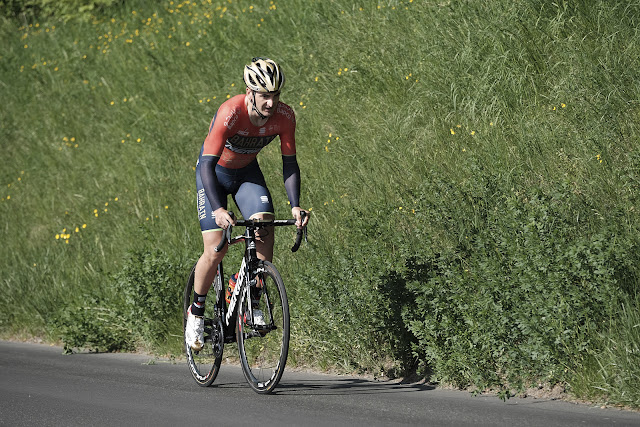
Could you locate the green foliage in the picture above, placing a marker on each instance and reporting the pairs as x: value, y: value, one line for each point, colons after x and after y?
x: 65, y: 10
x: 11, y: 8
x: 472, y: 169
x: 151, y: 284
x: 142, y: 308
x: 515, y: 298
x: 614, y: 363
x: 95, y: 324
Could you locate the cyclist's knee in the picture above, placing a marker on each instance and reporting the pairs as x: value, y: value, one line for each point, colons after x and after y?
x: 211, y: 258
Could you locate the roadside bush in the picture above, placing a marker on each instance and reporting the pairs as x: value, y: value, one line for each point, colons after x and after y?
x: 93, y: 323
x: 142, y: 306
x: 65, y: 10
x: 517, y: 298
x: 609, y: 370
x: 151, y: 285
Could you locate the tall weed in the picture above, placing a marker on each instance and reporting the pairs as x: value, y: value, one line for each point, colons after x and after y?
x: 609, y: 372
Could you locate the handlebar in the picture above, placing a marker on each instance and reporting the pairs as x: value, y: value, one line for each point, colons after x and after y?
x: 256, y: 223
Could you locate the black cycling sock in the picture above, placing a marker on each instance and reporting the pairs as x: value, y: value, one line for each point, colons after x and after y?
x: 197, y: 308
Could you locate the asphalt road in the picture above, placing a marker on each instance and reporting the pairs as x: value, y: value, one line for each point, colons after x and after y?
x: 41, y: 386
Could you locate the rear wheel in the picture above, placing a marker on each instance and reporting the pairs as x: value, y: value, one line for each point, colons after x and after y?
x: 205, y: 364
x: 264, y: 348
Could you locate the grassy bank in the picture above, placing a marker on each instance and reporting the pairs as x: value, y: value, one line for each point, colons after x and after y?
x: 472, y: 171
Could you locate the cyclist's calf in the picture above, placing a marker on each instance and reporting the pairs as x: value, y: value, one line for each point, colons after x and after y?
x: 264, y: 243
x: 264, y: 238
x: 207, y: 266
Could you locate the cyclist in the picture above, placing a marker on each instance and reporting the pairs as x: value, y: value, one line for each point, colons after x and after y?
x: 227, y: 165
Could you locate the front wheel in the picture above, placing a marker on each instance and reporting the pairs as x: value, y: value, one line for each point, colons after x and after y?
x: 264, y: 346
x: 205, y: 364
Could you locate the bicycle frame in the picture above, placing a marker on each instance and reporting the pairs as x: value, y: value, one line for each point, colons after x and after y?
x: 246, y: 275
x: 234, y: 297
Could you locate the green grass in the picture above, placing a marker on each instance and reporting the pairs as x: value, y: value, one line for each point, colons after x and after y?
x: 612, y: 372
x: 472, y: 170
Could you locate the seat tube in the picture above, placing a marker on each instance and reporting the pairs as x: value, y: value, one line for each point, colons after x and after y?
x: 251, y: 252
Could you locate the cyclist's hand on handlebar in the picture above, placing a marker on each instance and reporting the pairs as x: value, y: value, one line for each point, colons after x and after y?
x: 224, y: 218
x: 301, y: 220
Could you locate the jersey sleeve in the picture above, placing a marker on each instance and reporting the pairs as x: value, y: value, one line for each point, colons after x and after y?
x: 210, y: 181
x: 290, y: 168
x: 288, y: 132
x: 221, y: 128
x: 291, y: 176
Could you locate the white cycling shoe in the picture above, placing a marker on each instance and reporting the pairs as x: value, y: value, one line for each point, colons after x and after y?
x: 194, y: 331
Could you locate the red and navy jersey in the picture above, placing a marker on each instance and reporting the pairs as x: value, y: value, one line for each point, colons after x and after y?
x: 237, y: 142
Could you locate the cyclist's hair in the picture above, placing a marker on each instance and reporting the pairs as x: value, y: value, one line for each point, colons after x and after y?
x: 263, y: 75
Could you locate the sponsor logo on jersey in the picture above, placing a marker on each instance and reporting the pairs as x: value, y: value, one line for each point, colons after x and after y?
x: 231, y: 119
x: 248, y: 144
x: 286, y: 111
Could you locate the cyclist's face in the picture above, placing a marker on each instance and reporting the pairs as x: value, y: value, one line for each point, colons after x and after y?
x: 267, y: 103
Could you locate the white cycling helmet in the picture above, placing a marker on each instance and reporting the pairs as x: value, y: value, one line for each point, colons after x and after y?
x: 263, y: 75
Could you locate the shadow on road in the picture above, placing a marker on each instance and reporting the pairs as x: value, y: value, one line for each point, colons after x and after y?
x: 346, y: 386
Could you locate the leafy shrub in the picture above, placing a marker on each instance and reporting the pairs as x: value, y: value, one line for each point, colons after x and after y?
x: 66, y: 10
x: 610, y: 369
x: 143, y: 306
x: 11, y: 8
x: 341, y: 317
x: 95, y: 324
x: 517, y: 297
x: 151, y: 285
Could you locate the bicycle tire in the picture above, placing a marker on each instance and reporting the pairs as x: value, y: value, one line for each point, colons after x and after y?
x: 204, y: 365
x: 263, y: 351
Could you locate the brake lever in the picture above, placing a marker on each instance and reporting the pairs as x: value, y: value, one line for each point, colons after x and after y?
x: 226, y: 237
x: 300, y: 233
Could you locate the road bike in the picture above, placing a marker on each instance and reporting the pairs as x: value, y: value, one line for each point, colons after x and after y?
x: 263, y: 346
